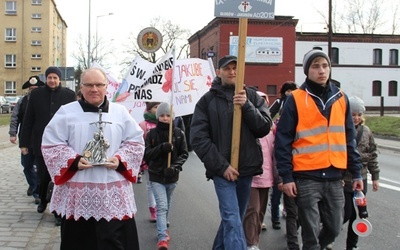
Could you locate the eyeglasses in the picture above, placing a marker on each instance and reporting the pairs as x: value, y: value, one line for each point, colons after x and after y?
x: 91, y: 85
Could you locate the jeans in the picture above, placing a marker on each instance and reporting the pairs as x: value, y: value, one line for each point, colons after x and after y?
x: 27, y: 161
x: 292, y: 222
x: 150, y: 196
x: 319, y: 202
x: 163, y: 195
x: 233, y: 197
x: 275, y: 202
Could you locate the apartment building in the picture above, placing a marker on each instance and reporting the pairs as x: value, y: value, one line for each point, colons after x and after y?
x: 33, y: 38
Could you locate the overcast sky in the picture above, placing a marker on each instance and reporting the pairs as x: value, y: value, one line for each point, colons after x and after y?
x: 131, y: 16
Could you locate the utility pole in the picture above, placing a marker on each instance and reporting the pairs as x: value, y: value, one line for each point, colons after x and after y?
x: 330, y: 31
x: 88, y: 46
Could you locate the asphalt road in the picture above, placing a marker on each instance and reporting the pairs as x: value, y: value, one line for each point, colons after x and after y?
x: 195, y: 218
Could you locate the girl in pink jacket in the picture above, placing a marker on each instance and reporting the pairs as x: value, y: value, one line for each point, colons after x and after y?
x: 259, y: 190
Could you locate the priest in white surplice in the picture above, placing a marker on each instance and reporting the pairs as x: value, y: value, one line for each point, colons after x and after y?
x: 96, y: 202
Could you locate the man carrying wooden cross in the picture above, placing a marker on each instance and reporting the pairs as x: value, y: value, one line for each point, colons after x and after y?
x: 211, y: 139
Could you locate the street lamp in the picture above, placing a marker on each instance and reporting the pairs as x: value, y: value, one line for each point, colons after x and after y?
x: 88, y: 46
x: 97, y: 21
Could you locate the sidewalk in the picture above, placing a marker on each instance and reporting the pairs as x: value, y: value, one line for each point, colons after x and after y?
x: 21, y: 227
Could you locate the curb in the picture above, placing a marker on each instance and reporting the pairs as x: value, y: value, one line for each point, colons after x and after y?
x: 4, y: 145
x: 395, y: 149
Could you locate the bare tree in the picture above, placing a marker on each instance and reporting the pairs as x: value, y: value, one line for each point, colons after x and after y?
x: 395, y: 22
x: 336, y: 20
x: 99, y: 51
x: 363, y: 16
x: 172, y: 34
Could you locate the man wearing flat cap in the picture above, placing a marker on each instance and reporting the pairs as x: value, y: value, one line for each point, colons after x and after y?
x: 42, y: 105
x: 211, y: 139
x: 16, y: 120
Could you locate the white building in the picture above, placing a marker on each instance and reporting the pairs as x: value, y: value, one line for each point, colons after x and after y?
x: 366, y: 65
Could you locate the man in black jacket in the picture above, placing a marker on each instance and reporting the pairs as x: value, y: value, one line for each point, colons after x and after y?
x: 43, y: 104
x: 16, y: 120
x: 211, y: 138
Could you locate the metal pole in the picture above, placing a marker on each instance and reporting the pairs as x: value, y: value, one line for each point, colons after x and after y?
x: 97, y: 41
x: 330, y: 31
x: 88, y: 53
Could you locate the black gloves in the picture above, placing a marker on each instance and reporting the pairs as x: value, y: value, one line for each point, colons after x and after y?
x: 171, y: 171
x: 166, y: 147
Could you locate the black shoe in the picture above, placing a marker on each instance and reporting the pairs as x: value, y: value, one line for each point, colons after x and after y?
x: 37, y: 200
x: 58, y: 221
x: 41, y: 207
x: 29, y: 192
x: 276, y: 225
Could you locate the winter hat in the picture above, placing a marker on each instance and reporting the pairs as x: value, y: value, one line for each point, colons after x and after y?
x: 163, y: 109
x: 54, y: 70
x: 150, y: 105
x: 310, y: 56
x: 356, y: 105
x: 33, y: 81
x: 287, y: 86
x: 226, y: 60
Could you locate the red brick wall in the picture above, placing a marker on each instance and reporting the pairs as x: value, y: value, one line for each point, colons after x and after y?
x: 216, y: 36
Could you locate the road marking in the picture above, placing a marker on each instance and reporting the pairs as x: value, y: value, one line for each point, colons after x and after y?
x: 384, y: 185
x: 389, y: 180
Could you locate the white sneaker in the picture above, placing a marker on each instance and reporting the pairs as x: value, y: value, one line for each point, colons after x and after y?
x: 263, y: 227
x: 329, y: 246
x: 254, y: 247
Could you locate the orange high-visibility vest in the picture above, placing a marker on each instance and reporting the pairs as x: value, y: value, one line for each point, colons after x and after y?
x: 317, y: 144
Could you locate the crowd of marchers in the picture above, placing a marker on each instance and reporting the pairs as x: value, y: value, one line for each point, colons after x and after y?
x: 82, y: 153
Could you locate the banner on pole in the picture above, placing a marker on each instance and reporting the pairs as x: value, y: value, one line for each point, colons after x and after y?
x: 149, y: 82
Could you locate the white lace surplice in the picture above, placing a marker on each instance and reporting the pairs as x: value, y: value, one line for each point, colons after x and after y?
x: 97, y: 192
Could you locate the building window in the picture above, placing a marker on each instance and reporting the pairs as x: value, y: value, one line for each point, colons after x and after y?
x: 36, y: 42
x: 272, y: 90
x: 392, y: 88
x: 376, y: 88
x: 36, y: 2
x: 36, y: 69
x: 36, y: 56
x: 10, y: 87
x: 11, y: 7
x: 393, y: 57
x: 11, y: 34
x: 36, y: 16
x: 377, y: 57
x: 335, y: 56
x: 10, y: 61
x: 36, y: 30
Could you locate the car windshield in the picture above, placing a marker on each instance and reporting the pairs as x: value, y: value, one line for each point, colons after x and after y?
x: 12, y: 98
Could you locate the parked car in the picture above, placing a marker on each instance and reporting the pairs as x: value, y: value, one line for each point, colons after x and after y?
x: 4, y: 105
x: 13, y: 101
